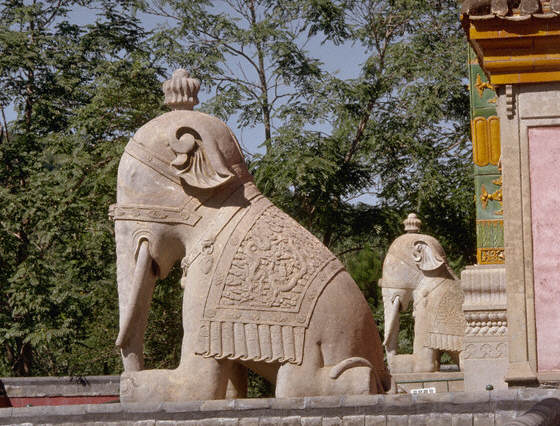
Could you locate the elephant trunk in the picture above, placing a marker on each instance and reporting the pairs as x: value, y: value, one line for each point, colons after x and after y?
x: 392, y: 309
x: 134, y: 307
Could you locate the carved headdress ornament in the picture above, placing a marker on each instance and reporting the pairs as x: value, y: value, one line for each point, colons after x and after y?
x: 181, y: 91
x: 184, y: 147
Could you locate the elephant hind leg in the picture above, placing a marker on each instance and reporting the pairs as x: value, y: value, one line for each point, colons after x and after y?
x: 352, y: 376
x: 342, y: 341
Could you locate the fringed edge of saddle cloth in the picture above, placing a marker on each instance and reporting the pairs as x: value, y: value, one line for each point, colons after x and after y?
x: 255, y: 342
x: 444, y: 342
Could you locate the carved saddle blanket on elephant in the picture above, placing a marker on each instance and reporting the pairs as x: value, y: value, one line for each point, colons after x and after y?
x: 445, y: 322
x: 264, y: 289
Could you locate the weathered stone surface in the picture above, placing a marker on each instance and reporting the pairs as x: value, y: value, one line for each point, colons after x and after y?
x: 397, y: 420
x: 311, y: 421
x: 323, y: 402
x: 416, y: 269
x: 249, y: 421
x: 175, y: 407
x: 270, y: 421
x: 252, y: 403
x: 291, y: 421
x: 217, y: 405
x: 19, y: 387
x: 483, y: 419
x: 462, y: 419
x: 417, y: 420
x: 287, y: 403
x: 332, y: 421
x: 504, y: 417
x: 353, y: 420
x: 439, y: 419
x: 258, y: 286
x: 375, y: 421
x: 354, y: 400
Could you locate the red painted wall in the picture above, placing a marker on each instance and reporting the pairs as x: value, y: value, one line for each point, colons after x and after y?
x: 61, y: 400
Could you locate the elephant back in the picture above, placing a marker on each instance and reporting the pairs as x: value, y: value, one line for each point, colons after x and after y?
x: 264, y: 289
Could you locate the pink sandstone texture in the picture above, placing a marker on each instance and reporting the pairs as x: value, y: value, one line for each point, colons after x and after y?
x: 544, y: 154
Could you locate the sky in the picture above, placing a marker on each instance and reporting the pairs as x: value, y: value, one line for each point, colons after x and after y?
x: 344, y: 60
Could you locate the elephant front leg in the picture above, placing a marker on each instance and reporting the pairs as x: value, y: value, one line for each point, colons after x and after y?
x: 426, y: 359
x: 199, y: 379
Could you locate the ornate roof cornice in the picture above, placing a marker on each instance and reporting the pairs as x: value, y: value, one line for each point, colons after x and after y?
x: 512, y: 10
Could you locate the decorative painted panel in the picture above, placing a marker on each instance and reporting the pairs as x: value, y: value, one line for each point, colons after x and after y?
x: 485, y: 127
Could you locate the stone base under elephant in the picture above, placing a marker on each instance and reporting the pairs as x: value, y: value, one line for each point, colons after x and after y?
x: 438, y: 382
x: 510, y: 407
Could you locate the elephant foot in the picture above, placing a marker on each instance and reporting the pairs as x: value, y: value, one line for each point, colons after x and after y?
x: 156, y: 386
x: 215, y: 380
x: 145, y: 386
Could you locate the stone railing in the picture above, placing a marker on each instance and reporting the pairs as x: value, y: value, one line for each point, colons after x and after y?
x: 483, y: 408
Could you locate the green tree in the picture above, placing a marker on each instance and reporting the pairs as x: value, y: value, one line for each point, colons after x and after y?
x: 79, y: 91
x: 397, y: 131
x: 252, y: 57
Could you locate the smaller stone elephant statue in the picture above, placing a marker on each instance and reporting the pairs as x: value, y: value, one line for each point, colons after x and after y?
x: 415, y: 268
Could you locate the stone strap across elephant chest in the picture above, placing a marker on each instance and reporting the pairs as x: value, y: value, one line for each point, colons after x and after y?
x: 264, y: 289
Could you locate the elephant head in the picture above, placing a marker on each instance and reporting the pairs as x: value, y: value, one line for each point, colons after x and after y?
x: 170, y: 167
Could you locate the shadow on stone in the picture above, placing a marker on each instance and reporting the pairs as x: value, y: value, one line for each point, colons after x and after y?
x: 545, y: 413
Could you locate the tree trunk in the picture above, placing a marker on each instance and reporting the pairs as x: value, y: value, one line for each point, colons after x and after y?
x: 264, y: 86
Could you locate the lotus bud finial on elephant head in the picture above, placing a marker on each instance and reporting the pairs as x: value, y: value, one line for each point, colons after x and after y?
x: 416, y: 269
x: 260, y: 291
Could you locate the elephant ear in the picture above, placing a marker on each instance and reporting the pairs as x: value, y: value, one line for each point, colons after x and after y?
x: 194, y: 168
x: 425, y: 257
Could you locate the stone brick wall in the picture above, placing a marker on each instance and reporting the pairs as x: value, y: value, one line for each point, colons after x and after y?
x: 473, y: 409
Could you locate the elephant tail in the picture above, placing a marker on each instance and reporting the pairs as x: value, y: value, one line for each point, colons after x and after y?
x: 381, y: 375
x: 348, y: 363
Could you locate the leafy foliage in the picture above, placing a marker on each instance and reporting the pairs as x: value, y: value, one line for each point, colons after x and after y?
x: 78, y: 97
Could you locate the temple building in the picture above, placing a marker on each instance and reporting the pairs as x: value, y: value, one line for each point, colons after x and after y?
x: 512, y: 296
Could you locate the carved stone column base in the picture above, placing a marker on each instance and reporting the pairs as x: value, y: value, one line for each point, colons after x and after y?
x: 438, y: 382
x: 485, y: 356
x: 521, y: 374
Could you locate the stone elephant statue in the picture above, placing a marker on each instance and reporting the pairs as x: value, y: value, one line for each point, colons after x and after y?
x: 415, y: 269
x: 260, y: 292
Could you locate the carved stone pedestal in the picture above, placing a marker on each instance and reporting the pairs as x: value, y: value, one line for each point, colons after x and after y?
x: 485, y: 356
x: 437, y: 382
